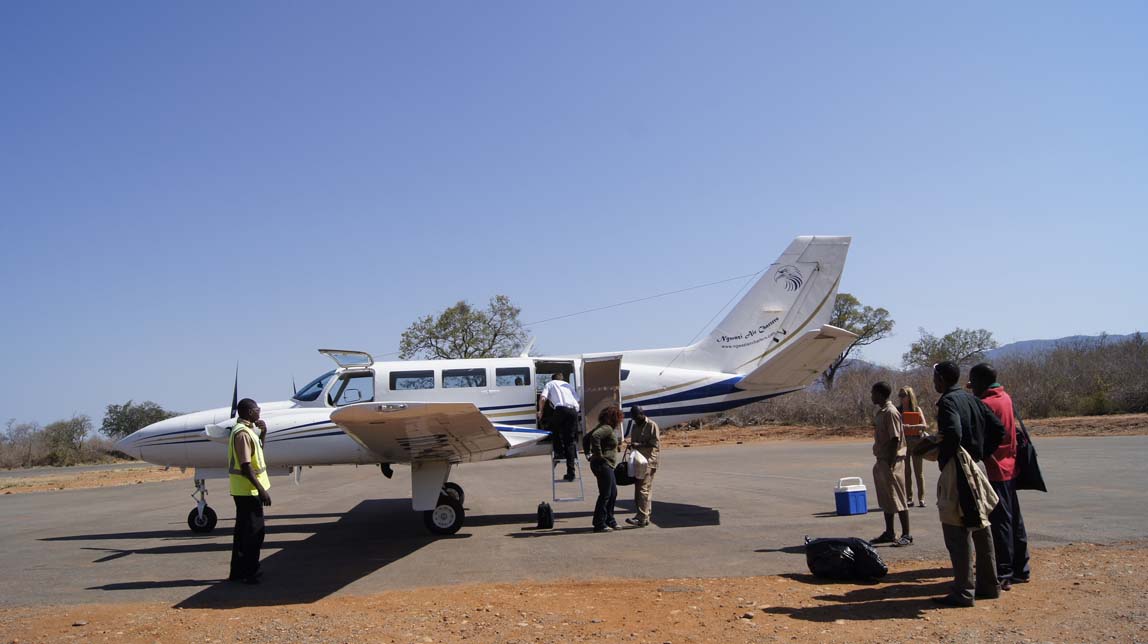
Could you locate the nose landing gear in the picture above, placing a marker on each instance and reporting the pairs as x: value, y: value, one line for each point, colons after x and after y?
x: 202, y: 518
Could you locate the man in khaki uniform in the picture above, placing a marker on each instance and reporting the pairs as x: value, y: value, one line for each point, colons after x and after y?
x: 889, y: 471
x: 646, y: 438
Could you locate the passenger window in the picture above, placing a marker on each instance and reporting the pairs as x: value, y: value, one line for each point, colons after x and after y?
x: 453, y: 378
x: 405, y: 380
x: 351, y: 389
x: 512, y: 377
x: 625, y: 374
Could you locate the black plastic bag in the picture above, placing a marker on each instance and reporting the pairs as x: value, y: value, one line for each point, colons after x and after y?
x: 843, y: 558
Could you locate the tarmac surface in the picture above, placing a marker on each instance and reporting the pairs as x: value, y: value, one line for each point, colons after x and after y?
x: 718, y: 511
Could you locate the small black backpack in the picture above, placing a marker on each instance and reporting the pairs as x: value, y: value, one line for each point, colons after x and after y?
x: 545, y: 516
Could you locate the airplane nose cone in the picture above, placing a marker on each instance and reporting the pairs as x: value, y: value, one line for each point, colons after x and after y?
x: 128, y: 446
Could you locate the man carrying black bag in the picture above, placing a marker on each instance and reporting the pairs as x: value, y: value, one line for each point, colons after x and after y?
x: 1010, y: 540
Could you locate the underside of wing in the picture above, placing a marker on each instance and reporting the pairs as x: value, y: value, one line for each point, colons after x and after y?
x: 800, y: 363
x: 405, y: 432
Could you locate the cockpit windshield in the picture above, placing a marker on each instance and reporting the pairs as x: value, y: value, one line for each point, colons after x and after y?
x: 312, y: 389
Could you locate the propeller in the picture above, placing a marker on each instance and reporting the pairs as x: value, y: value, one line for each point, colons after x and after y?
x: 235, y: 394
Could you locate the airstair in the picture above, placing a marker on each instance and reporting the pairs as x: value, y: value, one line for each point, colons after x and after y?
x: 558, y: 464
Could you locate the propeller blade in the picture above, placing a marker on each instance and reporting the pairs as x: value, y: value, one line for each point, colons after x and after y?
x: 235, y: 393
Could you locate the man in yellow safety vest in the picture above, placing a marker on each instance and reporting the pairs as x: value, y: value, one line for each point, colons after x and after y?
x: 247, y: 472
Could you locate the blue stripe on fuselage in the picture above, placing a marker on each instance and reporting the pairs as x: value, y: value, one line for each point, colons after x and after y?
x: 723, y: 388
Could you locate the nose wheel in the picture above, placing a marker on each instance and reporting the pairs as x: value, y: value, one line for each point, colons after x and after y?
x: 202, y: 518
x: 202, y: 522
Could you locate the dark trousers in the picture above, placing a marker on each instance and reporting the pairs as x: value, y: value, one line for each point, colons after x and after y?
x: 1009, y: 536
x: 563, y: 425
x: 607, y: 494
x: 962, y: 542
x: 248, y: 537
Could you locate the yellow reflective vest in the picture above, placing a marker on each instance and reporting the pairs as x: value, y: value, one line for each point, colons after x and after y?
x: 240, y: 484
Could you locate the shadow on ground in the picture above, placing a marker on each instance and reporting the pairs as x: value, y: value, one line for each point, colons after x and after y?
x: 897, y: 595
x: 359, y: 542
x: 663, y: 515
x: 828, y: 515
x: 332, y: 555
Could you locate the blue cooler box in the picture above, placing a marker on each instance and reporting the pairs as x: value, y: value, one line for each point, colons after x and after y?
x: 850, y: 496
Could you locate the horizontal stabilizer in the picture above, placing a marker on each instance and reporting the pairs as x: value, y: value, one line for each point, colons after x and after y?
x: 801, y: 362
x: 405, y: 432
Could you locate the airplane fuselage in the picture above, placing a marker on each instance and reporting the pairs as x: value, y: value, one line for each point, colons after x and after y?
x: 300, y: 432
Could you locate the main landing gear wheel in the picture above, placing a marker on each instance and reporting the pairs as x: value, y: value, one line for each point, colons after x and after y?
x: 202, y: 524
x: 454, y: 490
x: 447, y: 516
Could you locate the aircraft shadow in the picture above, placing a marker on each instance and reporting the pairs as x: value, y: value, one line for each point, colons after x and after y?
x: 363, y: 540
x: 663, y: 514
x: 367, y: 538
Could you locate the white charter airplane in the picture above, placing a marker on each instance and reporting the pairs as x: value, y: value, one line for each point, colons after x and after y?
x: 437, y: 414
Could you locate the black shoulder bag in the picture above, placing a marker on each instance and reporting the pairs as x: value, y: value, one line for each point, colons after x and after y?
x: 1028, y: 475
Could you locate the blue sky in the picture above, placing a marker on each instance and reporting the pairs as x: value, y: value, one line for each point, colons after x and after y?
x: 187, y: 185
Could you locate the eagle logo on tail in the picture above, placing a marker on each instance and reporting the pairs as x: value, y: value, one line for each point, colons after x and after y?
x: 790, y: 277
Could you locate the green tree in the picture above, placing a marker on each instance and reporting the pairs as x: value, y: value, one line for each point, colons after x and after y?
x: 962, y: 346
x: 64, y: 438
x: 463, y: 331
x: 121, y: 420
x: 868, y: 323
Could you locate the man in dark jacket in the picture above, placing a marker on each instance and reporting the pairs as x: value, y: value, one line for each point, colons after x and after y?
x: 964, y: 421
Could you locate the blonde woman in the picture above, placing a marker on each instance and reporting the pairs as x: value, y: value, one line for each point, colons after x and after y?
x: 914, y: 434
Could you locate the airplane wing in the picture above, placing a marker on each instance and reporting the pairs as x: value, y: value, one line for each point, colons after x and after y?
x: 418, y: 431
x: 799, y: 364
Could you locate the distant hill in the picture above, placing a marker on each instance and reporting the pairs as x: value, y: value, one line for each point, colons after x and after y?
x: 1030, y: 347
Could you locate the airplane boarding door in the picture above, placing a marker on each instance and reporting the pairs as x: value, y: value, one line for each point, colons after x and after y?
x: 601, y: 387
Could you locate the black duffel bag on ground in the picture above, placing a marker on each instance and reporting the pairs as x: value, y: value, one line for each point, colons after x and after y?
x: 844, y: 558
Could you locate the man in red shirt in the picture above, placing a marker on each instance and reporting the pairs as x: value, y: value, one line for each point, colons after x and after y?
x: 1009, y: 537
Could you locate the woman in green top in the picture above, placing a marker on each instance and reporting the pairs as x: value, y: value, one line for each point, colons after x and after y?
x: 603, y: 458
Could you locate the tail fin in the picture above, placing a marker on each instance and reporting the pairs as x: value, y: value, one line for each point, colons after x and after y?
x: 793, y: 296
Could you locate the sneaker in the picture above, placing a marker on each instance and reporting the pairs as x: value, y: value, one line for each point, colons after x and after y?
x: 604, y: 528
x: 637, y: 523
x: 905, y: 540
x: 568, y: 478
x: 884, y: 538
x: 920, y: 504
